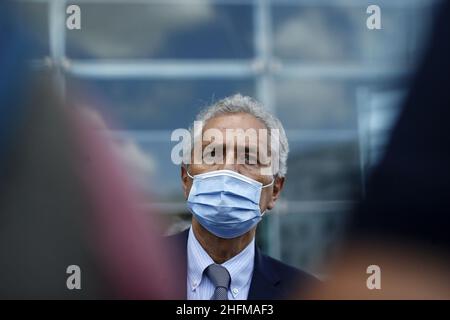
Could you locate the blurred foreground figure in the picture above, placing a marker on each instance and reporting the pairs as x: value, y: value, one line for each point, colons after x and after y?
x: 403, y: 226
x: 64, y: 198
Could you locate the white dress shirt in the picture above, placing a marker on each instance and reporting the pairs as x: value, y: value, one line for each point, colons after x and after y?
x: 240, y: 267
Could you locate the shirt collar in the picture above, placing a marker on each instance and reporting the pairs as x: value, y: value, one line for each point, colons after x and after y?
x: 240, y: 266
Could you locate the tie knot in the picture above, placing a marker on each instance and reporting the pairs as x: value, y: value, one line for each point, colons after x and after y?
x: 218, y: 275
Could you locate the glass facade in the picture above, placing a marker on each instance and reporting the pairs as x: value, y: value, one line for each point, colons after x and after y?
x: 150, y: 66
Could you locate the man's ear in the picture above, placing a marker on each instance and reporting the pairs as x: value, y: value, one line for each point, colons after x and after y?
x: 185, y: 181
x: 276, y: 191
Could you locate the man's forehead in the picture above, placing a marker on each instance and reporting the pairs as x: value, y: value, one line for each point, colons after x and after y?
x: 243, y: 121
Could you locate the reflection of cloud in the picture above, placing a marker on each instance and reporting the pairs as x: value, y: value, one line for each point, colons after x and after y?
x: 137, y: 158
x: 140, y: 165
x: 143, y: 28
x: 315, y: 104
x: 338, y: 33
x: 392, y: 40
x: 149, y: 105
x: 308, y: 34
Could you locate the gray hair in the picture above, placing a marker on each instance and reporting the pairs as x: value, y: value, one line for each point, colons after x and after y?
x: 244, y: 104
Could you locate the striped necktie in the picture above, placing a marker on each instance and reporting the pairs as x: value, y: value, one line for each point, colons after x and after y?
x: 220, y: 278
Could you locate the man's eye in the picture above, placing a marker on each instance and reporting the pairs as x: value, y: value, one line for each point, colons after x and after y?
x: 209, y: 153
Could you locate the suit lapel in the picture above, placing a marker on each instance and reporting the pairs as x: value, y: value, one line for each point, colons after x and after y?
x: 179, y: 242
x: 264, y: 280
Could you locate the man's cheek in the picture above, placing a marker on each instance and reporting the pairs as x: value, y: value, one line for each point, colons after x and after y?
x: 263, y: 201
x: 187, y: 189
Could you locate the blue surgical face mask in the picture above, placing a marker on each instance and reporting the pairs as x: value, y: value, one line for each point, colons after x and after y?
x: 225, y: 202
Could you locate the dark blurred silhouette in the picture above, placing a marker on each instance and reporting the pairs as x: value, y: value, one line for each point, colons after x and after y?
x: 408, y: 194
x: 64, y: 197
x: 403, y: 223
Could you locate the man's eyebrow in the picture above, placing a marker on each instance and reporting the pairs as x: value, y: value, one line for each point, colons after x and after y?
x: 251, y: 148
x: 210, y: 140
x: 247, y: 147
x: 213, y: 144
x: 250, y: 151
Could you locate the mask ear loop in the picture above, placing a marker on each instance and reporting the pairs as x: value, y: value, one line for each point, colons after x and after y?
x: 268, y: 185
x: 189, y: 175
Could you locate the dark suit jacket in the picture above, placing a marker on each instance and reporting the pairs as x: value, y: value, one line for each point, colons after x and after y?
x: 271, y: 278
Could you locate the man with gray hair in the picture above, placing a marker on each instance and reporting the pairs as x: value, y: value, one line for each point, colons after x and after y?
x: 234, y: 173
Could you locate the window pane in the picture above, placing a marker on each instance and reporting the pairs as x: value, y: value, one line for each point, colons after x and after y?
x: 339, y: 34
x: 33, y: 18
x: 314, y: 105
x: 150, y: 166
x: 168, y: 31
x: 157, y: 104
x: 323, y: 171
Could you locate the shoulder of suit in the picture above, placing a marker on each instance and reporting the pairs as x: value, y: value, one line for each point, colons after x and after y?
x: 179, y: 236
x: 290, y: 273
